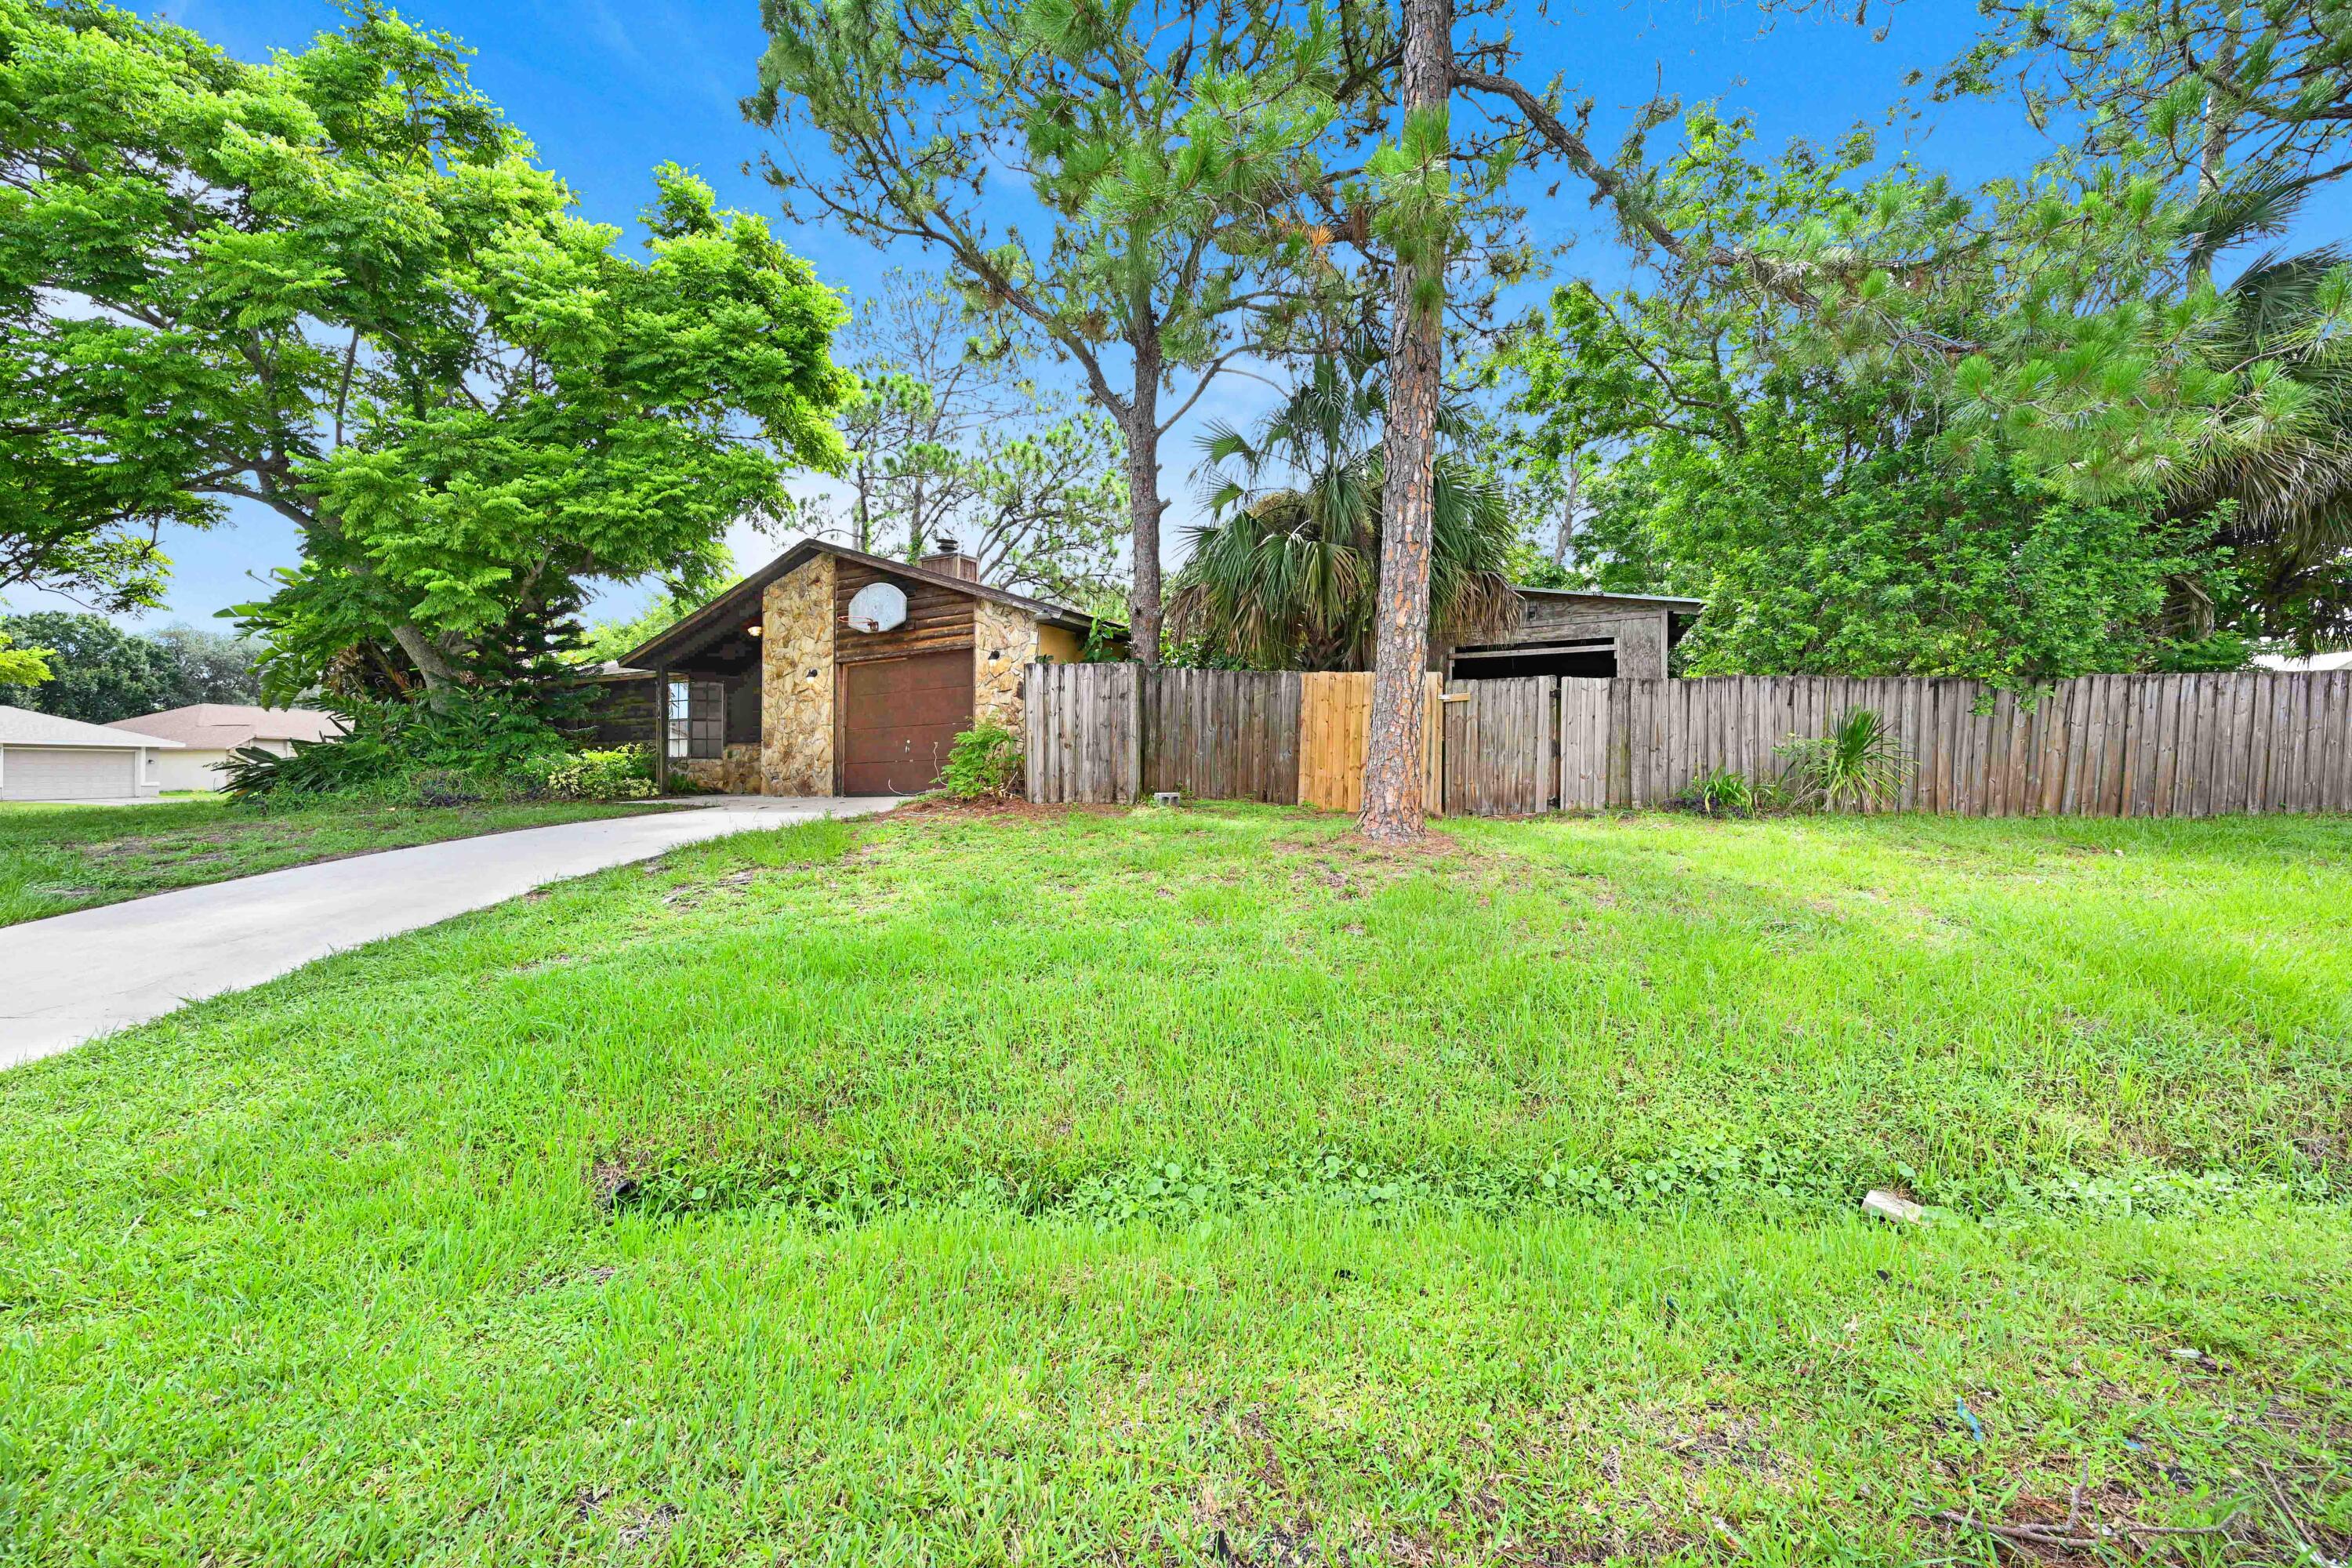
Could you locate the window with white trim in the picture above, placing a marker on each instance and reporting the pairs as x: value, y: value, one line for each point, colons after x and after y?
x: 698, y: 719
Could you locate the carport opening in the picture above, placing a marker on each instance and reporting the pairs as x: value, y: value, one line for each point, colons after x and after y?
x: 1594, y: 660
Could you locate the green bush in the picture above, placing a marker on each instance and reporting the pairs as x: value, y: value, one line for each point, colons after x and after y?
x: 1721, y: 792
x: 472, y: 746
x: 1858, y: 764
x: 984, y: 762
x: 1724, y: 793
x: 486, y: 734
x: 617, y: 772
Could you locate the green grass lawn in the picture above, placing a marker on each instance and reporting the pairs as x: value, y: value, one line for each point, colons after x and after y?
x: 1201, y: 1186
x: 68, y: 856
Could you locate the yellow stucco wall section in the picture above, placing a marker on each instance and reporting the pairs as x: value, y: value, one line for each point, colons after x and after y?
x: 796, y: 682
x: 1003, y: 643
x: 1061, y: 645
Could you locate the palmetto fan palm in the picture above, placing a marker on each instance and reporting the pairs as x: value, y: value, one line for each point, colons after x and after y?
x: 1285, y: 574
x: 2284, y: 458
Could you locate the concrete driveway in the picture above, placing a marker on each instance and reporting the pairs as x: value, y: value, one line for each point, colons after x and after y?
x: 73, y: 978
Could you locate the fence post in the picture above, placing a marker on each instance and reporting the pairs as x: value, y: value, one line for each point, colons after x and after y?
x: 1133, y: 761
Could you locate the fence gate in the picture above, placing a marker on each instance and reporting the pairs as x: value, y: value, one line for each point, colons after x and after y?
x: 1583, y: 743
x: 1499, y: 745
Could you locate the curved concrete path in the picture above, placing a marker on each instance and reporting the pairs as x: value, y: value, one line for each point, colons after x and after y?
x: 73, y: 978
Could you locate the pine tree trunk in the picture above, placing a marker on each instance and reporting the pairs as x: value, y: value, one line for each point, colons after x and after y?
x: 1144, y: 510
x: 1394, y: 811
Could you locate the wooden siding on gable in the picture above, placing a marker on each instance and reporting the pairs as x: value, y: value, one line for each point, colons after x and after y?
x: 624, y: 712
x: 938, y: 618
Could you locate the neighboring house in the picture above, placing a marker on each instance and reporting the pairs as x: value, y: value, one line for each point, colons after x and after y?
x: 830, y: 671
x: 1568, y: 632
x: 44, y: 757
x: 208, y: 732
x: 2316, y: 664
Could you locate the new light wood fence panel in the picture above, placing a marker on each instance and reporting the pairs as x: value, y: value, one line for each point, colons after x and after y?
x: 1335, y: 740
x: 1335, y: 727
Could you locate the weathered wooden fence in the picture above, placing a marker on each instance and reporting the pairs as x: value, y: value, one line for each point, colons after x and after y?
x: 1220, y: 734
x: 2104, y: 745
x: 2131, y: 745
x: 1499, y: 747
x: 1085, y: 731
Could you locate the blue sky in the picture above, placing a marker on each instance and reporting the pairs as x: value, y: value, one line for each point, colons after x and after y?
x: 607, y: 89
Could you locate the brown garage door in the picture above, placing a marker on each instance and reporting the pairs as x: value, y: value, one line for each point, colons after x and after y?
x: 899, y: 716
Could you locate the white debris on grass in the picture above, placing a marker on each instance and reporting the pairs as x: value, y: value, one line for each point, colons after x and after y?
x: 1888, y: 1205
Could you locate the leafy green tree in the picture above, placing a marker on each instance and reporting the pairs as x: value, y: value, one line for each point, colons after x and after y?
x: 948, y: 438
x: 2081, y: 366
x: 2102, y: 352
x: 337, y: 285
x: 1286, y: 575
x: 1172, y: 150
x: 1818, y: 555
x: 21, y: 666
x: 2109, y: 359
x: 2193, y: 94
x: 1816, y: 507
x: 211, y: 667
x: 98, y: 672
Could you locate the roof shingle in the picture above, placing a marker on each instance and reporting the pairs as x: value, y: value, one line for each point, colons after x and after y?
x: 224, y: 726
x: 22, y: 727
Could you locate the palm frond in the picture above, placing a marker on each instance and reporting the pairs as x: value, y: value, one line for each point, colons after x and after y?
x: 2257, y: 208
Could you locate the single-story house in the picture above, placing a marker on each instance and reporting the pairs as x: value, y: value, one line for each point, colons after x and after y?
x: 208, y: 732
x: 2318, y: 663
x: 44, y: 757
x: 1567, y: 631
x: 830, y: 671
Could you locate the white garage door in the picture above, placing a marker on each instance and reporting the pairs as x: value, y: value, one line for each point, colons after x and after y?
x: 62, y: 772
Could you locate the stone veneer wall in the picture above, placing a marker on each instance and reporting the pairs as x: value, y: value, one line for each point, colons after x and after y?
x: 1003, y: 643
x: 739, y: 772
x: 796, y: 682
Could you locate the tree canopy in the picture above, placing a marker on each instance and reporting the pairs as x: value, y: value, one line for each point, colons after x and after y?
x: 99, y: 672
x: 951, y: 434
x: 1170, y: 153
x: 2054, y: 354
x: 338, y: 285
